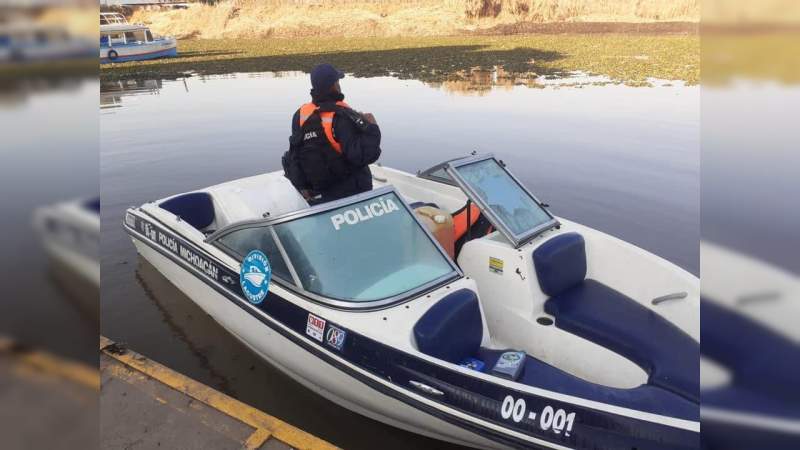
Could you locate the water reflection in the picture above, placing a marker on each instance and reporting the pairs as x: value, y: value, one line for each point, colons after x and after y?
x: 15, y: 92
x: 49, y: 313
x: 111, y: 92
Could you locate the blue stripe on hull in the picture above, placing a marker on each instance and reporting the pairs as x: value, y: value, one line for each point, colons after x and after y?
x: 168, y: 53
x: 594, y: 429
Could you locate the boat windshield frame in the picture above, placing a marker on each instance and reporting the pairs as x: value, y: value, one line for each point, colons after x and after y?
x: 296, y: 286
x: 517, y: 239
x: 428, y: 174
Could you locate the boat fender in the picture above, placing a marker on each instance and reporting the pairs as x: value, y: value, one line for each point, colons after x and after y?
x: 509, y: 365
x: 112, y: 55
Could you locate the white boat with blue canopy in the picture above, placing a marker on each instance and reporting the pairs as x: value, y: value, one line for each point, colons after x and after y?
x: 540, y: 333
x: 36, y: 42
x: 121, y: 41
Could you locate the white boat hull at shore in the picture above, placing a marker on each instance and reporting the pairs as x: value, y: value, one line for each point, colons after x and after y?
x: 162, y: 48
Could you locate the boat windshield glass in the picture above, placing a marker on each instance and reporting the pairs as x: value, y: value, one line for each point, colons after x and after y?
x: 370, y: 250
x: 509, y: 206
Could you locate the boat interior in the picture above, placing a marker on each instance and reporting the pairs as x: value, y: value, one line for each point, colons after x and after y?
x: 591, y: 315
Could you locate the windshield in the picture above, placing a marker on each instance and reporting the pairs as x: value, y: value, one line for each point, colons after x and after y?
x: 366, y: 251
x: 510, y: 206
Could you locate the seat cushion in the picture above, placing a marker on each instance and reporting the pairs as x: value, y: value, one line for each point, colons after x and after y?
x: 196, y: 208
x: 761, y: 360
x: 609, y: 318
x: 451, y: 329
x: 560, y: 263
x: 648, y: 398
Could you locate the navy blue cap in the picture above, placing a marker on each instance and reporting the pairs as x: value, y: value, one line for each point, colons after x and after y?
x: 324, y: 76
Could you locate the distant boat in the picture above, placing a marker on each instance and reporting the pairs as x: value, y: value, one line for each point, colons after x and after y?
x: 70, y: 234
x: 121, y: 41
x: 30, y: 41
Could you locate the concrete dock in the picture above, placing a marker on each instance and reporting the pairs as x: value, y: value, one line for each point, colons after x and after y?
x: 46, y: 401
x: 146, y: 405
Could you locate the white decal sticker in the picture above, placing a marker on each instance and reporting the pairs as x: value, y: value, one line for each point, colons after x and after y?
x: 557, y: 420
x: 315, y: 327
x: 364, y: 213
x: 496, y: 265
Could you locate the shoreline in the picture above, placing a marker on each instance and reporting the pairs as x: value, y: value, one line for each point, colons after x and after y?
x: 622, y: 27
x: 519, y: 58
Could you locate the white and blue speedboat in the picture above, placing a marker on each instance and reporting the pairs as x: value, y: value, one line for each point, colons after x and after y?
x: 121, y: 41
x: 25, y: 41
x: 542, y: 333
x: 70, y: 234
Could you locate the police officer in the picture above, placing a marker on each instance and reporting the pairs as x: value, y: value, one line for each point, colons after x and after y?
x: 331, y: 145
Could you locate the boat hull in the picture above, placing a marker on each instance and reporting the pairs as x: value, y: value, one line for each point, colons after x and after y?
x: 373, y: 379
x: 139, y: 52
x: 304, y: 367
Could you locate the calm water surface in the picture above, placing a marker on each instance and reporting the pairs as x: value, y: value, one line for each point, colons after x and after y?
x: 49, y: 154
x: 621, y: 159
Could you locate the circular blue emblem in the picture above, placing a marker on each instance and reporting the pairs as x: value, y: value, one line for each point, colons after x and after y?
x: 254, y: 276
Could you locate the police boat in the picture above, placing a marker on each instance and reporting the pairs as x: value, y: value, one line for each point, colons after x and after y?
x: 530, y: 331
x: 69, y: 231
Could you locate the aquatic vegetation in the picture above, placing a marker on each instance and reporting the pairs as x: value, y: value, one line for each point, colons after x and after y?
x: 631, y: 59
x: 766, y: 55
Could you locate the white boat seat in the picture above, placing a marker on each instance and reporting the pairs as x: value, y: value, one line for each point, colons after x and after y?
x: 594, y: 311
x: 451, y: 330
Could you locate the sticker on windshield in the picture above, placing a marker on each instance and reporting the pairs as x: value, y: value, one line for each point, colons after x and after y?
x: 363, y: 213
x: 254, y: 276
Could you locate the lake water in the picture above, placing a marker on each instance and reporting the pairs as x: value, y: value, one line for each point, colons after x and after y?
x: 50, y: 155
x: 621, y: 159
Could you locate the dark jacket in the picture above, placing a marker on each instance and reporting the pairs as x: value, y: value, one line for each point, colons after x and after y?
x: 359, y: 149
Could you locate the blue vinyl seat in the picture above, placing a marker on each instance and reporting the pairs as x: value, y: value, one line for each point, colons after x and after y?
x: 598, y: 313
x: 452, y: 330
x: 646, y: 397
x: 196, y: 208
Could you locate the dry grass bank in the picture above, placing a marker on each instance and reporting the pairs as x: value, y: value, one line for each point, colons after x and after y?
x: 365, y: 18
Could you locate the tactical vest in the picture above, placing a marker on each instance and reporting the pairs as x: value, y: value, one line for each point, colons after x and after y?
x: 318, y: 152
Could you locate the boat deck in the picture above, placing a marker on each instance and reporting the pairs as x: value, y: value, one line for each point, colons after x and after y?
x: 148, y: 405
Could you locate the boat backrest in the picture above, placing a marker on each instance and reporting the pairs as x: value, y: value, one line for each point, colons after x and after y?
x: 93, y: 205
x: 452, y: 329
x: 560, y: 263
x: 195, y: 208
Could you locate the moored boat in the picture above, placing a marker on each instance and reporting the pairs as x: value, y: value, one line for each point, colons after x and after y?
x: 121, y: 41
x: 70, y: 233
x: 533, y: 331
